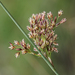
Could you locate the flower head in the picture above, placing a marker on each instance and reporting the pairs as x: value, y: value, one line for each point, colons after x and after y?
x: 11, y: 46
x: 17, y: 54
x: 63, y: 20
x: 16, y: 42
x: 49, y: 15
x: 42, y: 31
x: 21, y: 47
x: 60, y: 13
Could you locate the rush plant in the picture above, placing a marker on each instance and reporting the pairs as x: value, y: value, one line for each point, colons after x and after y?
x: 42, y: 32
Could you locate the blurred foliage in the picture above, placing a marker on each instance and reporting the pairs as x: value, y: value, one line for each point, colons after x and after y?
x: 21, y: 10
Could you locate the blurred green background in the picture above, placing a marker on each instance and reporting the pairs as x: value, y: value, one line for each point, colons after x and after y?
x: 21, y: 10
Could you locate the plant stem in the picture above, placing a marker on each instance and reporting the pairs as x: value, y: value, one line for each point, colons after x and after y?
x: 28, y: 37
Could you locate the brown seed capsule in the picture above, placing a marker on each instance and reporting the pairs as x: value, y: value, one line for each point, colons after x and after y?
x: 29, y: 28
x: 53, y: 23
x: 57, y: 24
x: 30, y: 36
x: 28, y: 46
x: 43, y: 15
x: 55, y: 43
x: 32, y: 21
x: 54, y: 49
x: 51, y: 41
x: 17, y: 54
x: 23, y: 43
x: 11, y: 46
x: 35, y: 49
x: 47, y: 43
x: 33, y: 16
x: 49, y: 15
x: 43, y: 45
x: 63, y: 20
x: 16, y: 42
x: 55, y: 37
x: 18, y: 49
x: 24, y: 52
x: 60, y: 13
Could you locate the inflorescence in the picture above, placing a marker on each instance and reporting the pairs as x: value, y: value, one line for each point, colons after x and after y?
x: 21, y: 47
x: 42, y: 31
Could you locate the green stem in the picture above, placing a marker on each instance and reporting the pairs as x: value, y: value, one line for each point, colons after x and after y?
x: 47, y: 54
x: 34, y: 54
x: 57, y: 18
x: 27, y: 37
x: 50, y: 54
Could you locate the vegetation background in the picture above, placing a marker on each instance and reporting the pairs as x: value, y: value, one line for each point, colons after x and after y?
x: 21, y: 10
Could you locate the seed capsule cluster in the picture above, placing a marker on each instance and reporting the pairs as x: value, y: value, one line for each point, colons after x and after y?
x: 21, y: 47
x: 42, y: 31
